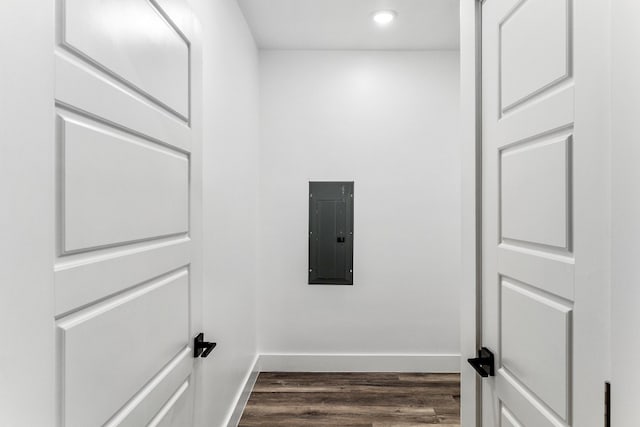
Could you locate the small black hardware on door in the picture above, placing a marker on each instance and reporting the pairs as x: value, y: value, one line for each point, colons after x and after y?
x: 202, y: 348
x: 484, y: 363
x: 607, y: 404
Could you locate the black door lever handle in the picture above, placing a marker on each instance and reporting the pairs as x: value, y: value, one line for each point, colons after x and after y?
x: 209, y: 348
x: 202, y: 348
x: 484, y: 363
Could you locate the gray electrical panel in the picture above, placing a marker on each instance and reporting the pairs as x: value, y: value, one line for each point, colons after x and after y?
x: 331, y: 233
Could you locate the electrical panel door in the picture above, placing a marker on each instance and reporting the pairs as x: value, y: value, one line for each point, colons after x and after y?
x: 331, y: 233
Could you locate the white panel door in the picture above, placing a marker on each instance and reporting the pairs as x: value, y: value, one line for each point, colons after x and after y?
x: 127, y: 274
x: 528, y: 250
x: 545, y: 211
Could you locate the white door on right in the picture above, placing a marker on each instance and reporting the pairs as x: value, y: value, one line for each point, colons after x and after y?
x: 528, y: 234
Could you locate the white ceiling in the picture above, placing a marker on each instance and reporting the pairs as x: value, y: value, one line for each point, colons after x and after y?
x: 347, y: 24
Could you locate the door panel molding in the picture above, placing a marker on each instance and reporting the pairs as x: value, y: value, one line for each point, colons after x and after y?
x: 83, y: 89
x: 542, y: 270
x: 115, y: 272
x: 156, y: 393
x: 523, y: 405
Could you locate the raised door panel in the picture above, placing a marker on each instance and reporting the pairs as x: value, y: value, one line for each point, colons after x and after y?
x: 534, y: 52
x: 134, y: 41
x: 534, y: 181
x: 119, y: 188
x: 535, y: 331
x: 112, y: 349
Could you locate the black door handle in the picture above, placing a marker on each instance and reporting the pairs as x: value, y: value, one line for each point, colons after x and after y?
x: 484, y: 363
x: 340, y: 239
x: 202, y: 348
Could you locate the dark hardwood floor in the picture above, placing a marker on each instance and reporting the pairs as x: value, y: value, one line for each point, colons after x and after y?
x: 354, y: 399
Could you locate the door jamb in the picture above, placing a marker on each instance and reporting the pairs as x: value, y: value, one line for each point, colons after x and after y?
x: 471, y: 203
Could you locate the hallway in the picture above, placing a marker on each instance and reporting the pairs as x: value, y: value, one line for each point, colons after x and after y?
x: 387, y: 212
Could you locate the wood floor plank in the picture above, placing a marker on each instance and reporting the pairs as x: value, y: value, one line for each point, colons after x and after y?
x: 353, y: 399
x: 445, y: 403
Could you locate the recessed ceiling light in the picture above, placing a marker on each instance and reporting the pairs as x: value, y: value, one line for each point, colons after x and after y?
x: 384, y: 17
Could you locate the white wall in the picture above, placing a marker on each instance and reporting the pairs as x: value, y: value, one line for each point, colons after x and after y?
x: 230, y: 162
x: 388, y: 121
x: 625, y: 334
x: 27, y: 171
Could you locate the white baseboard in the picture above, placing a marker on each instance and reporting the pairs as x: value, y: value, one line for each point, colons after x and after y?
x: 245, y: 393
x: 360, y: 363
